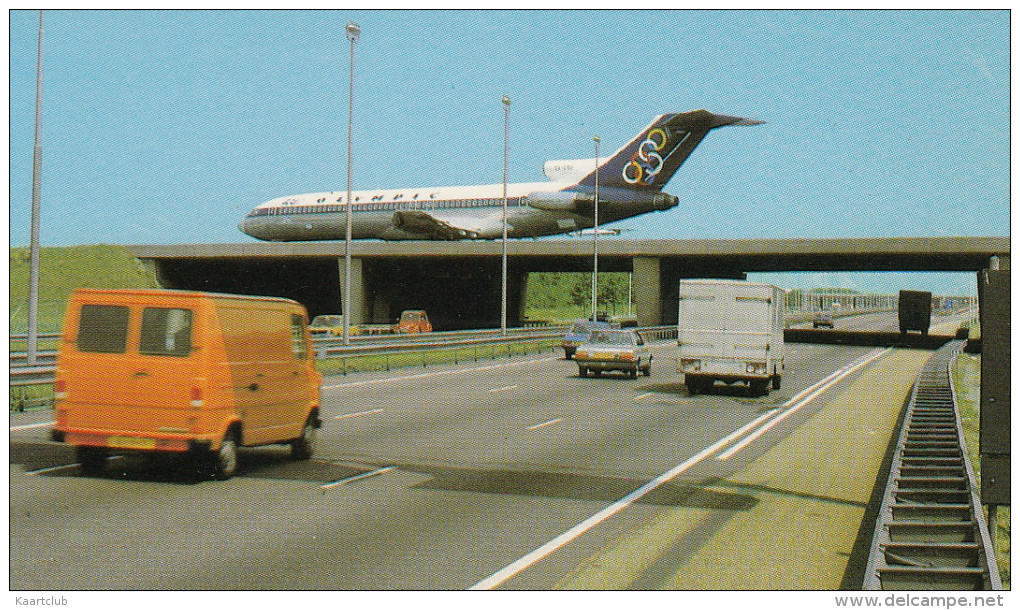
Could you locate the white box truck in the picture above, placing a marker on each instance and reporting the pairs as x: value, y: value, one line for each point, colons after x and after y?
x: 730, y: 331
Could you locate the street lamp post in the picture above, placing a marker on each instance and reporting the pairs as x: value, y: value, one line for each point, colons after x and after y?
x: 595, y: 266
x: 33, y: 281
x: 506, y: 160
x: 353, y: 33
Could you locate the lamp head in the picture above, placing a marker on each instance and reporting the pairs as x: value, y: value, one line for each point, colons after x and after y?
x: 353, y: 31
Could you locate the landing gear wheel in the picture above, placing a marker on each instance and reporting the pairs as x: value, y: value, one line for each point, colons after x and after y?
x: 302, y: 448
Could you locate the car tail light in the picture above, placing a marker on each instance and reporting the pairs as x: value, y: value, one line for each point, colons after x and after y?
x: 59, y: 389
x: 196, y: 397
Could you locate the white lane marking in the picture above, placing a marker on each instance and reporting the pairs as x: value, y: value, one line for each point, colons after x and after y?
x: 29, y: 426
x: 802, y: 399
x: 358, y: 414
x: 355, y: 384
x: 62, y: 467
x: 645, y: 395
x: 363, y: 475
x: 566, y: 537
x: 504, y: 389
x: 544, y: 424
x: 52, y: 468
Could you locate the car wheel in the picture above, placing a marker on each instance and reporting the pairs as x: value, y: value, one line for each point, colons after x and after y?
x: 568, y: 353
x: 777, y: 381
x: 91, y: 460
x: 302, y: 448
x: 582, y: 371
x: 224, y: 461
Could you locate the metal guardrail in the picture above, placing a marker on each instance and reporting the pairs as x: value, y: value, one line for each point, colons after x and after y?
x: 931, y: 532
x: 22, y: 375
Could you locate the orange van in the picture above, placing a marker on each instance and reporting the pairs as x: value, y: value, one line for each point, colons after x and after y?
x: 184, y: 372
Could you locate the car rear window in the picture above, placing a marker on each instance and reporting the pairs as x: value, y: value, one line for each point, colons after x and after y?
x: 102, y: 329
x: 165, y: 332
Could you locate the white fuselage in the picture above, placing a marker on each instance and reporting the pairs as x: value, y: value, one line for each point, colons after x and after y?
x: 458, y: 212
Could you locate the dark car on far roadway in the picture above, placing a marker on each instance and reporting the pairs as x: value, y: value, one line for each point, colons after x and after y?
x: 822, y: 318
x: 614, y: 350
x: 578, y: 334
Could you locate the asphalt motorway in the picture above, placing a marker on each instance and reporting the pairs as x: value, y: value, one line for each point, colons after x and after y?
x: 495, y: 474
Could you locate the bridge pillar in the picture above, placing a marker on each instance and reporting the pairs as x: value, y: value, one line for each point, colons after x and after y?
x: 648, y: 290
x: 359, y: 313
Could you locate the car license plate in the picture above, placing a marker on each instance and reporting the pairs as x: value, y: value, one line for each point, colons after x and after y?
x: 131, y: 442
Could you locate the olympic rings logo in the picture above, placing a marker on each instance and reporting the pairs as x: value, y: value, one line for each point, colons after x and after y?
x: 646, y: 162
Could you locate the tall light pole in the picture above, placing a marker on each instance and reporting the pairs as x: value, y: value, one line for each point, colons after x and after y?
x: 506, y: 161
x: 353, y: 33
x: 595, y: 266
x: 33, y: 272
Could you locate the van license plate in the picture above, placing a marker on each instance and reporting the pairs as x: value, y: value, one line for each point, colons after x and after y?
x: 131, y: 442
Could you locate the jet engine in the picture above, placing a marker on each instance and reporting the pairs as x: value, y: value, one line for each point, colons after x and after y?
x: 560, y: 201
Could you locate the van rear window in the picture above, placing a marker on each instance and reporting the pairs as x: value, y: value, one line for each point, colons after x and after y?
x: 165, y: 332
x: 103, y: 329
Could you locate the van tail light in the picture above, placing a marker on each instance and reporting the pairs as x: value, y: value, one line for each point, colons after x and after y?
x: 196, y: 397
x: 59, y: 389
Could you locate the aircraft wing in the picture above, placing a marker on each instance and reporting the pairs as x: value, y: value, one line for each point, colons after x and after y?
x: 437, y: 225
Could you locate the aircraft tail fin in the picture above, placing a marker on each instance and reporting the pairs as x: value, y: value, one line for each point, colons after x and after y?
x: 649, y: 160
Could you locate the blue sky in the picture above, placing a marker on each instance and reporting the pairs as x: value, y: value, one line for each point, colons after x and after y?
x: 167, y: 127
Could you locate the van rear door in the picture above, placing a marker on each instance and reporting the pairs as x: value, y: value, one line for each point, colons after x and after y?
x: 130, y: 371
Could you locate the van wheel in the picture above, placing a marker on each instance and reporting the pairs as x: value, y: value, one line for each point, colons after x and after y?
x: 91, y: 460
x: 224, y: 461
x: 303, y: 448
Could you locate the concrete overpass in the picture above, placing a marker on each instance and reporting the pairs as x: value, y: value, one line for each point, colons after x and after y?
x: 459, y: 282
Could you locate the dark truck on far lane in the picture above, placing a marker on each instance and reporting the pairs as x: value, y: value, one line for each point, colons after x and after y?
x: 915, y: 311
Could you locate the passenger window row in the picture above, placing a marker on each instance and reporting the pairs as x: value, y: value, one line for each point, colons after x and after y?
x: 384, y: 207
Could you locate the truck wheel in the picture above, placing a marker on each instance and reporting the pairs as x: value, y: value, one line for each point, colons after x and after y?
x: 224, y: 461
x: 91, y: 460
x: 693, y: 385
x: 757, y: 387
x: 302, y: 448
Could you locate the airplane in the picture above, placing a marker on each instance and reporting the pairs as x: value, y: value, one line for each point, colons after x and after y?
x: 630, y: 184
